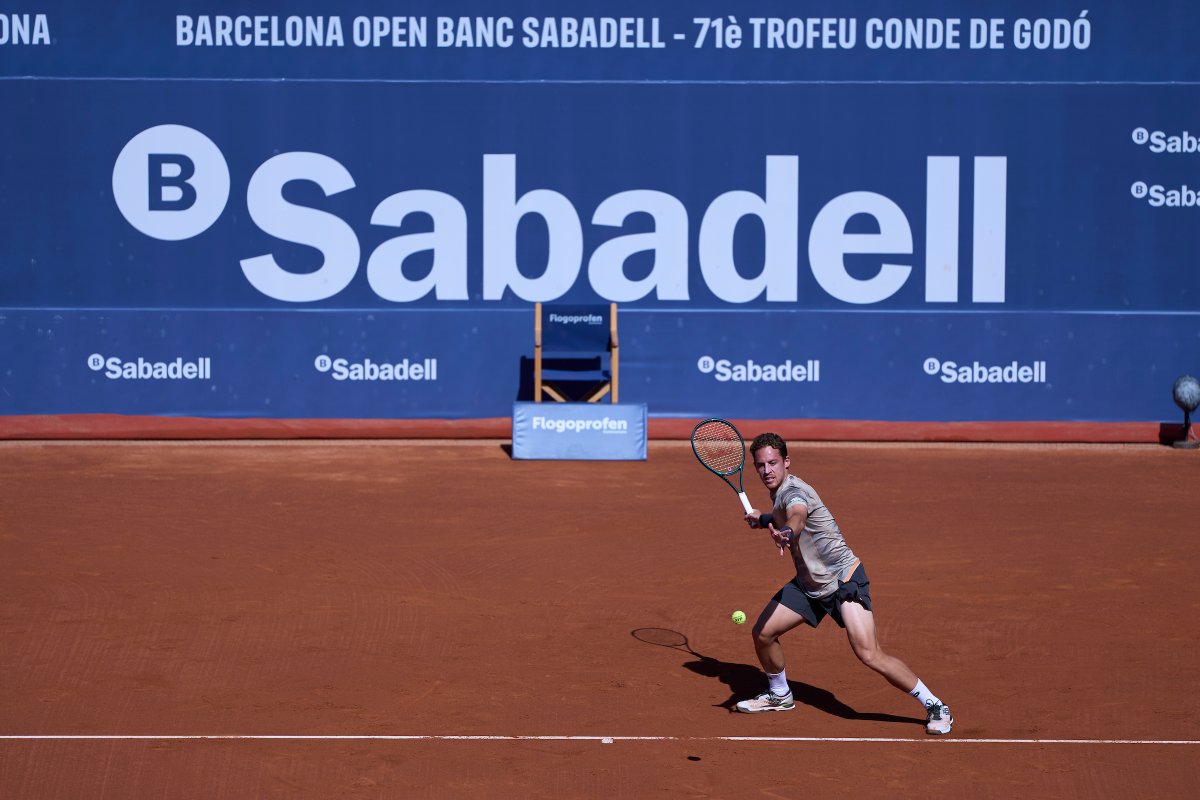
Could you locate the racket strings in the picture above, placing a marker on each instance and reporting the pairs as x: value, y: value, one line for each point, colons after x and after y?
x: 719, y: 447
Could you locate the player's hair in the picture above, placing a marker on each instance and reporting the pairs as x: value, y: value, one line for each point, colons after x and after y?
x: 769, y: 440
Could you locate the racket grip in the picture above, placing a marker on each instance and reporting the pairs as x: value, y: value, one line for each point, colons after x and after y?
x: 745, y: 502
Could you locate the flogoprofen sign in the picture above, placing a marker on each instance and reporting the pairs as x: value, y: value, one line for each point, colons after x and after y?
x: 172, y: 182
x: 587, y: 431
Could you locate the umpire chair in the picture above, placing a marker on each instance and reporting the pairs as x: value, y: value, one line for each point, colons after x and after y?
x: 575, y: 353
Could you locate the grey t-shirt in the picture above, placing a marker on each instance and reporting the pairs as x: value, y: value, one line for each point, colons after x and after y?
x: 819, y: 551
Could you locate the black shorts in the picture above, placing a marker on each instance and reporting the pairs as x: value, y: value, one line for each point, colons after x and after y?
x: 814, y: 609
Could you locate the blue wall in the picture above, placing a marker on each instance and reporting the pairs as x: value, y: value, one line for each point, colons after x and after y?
x: 1006, y: 229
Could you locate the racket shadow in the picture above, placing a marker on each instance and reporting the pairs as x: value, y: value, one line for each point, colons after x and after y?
x: 746, y: 680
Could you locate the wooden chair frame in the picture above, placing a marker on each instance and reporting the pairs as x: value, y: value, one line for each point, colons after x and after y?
x: 610, y: 388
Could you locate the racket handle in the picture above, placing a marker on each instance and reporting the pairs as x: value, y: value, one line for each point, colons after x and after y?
x: 745, y: 502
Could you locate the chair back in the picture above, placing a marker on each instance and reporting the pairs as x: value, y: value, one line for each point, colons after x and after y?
x: 576, y: 328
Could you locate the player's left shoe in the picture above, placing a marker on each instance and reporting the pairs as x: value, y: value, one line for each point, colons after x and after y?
x: 938, y: 720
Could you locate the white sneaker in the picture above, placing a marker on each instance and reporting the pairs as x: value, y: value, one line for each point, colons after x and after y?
x: 767, y: 701
x: 938, y: 721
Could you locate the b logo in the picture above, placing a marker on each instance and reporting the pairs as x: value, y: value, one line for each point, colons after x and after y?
x: 171, y: 182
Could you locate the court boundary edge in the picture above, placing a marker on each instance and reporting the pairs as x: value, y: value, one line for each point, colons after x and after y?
x: 573, y: 738
x: 119, y: 426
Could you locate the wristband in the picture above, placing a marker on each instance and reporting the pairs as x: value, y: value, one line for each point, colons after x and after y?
x: 765, y: 519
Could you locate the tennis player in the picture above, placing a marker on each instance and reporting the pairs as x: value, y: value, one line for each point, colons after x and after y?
x: 830, y: 580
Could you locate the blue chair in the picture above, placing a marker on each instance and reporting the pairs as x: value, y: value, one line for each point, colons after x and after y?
x: 575, y: 352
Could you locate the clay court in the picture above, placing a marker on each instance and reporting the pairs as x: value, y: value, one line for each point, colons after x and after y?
x: 380, y: 619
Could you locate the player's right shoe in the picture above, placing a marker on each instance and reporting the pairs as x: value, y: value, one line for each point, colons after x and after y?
x: 767, y: 701
x: 938, y: 721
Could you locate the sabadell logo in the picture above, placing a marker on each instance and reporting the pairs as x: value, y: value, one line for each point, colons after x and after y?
x: 172, y: 182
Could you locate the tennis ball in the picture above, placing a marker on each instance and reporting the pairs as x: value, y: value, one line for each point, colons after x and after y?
x: 738, y: 617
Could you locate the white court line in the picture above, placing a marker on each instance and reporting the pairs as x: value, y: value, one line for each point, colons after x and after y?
x: 480, y: 738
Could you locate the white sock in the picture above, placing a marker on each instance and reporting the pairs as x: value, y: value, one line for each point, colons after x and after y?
x: 779, y: 684
x: 925, y: 697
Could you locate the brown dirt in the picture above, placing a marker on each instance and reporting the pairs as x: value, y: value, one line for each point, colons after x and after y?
x: 440, y: 588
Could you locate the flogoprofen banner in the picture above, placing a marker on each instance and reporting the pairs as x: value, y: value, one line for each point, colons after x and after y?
x: 944, y: 202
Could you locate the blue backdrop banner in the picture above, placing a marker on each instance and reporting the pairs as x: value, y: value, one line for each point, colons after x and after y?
x: 939, y: 213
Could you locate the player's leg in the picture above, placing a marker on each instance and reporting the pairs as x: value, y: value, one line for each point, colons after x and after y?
x: 774, y: 621
x: 860, y: 628
x: 864, y: 640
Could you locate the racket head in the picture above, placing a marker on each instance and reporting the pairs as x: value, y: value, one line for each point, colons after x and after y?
x: 718, y: 446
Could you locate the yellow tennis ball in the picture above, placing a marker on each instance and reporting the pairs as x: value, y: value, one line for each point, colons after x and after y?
x: 738, y: 617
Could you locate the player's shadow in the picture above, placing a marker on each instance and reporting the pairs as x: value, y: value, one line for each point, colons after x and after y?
x: 746, y: 681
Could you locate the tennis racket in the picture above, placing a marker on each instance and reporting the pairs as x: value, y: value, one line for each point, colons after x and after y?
x: 719, y: 447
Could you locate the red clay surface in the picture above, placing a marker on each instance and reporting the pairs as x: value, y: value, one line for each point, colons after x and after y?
x: 440, y: 588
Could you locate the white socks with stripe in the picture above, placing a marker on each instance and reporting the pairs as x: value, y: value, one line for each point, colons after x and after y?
x: 924, y: 696
x: 779, y: 684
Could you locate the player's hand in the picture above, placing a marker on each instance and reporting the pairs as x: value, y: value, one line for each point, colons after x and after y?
x: 782, y: 538
x: 756, y: 520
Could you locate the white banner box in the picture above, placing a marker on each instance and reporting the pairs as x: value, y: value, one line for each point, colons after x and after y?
x: 579, y: 431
